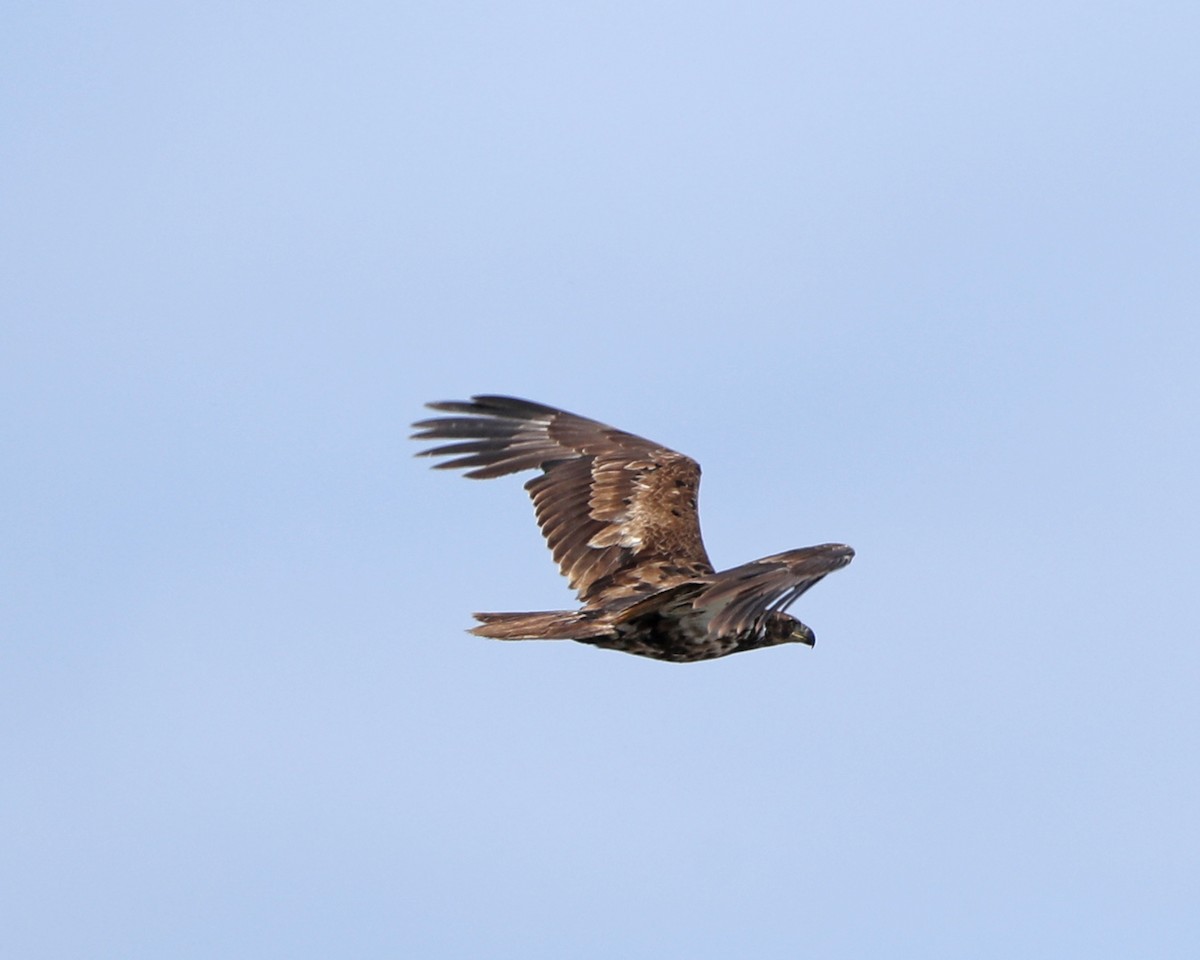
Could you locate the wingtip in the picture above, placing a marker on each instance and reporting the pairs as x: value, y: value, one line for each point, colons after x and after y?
x: 837, y: 552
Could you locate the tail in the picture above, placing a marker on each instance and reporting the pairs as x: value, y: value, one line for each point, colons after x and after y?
x: 548, y: 625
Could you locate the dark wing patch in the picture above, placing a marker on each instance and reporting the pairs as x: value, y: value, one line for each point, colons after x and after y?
x: 742, y: 595
x: 619, y: 512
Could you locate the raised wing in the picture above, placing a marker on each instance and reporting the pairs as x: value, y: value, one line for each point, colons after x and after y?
x: 742, y: 595
x: 618, y: 511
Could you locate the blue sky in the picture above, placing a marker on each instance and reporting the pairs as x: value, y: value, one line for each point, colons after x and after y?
x: 921, y: 278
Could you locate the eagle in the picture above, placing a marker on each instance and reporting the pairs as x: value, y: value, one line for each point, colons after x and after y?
x: 619, y: 514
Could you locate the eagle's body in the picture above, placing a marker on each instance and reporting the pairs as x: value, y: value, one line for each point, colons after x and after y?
x: 620, y: 516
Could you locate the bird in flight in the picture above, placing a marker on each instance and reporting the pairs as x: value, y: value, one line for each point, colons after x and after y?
x: 619, y: 514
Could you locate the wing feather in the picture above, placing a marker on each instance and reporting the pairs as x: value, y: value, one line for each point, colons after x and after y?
x: 618, y: 512
x: 741, y: 596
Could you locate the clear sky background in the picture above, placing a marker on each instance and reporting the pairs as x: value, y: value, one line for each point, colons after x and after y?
x: 919, y: 277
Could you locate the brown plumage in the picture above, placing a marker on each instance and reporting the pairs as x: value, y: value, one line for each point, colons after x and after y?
x: 620, y: 516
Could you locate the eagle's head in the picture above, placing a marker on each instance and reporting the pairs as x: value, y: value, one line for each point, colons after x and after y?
x: 780, y: 628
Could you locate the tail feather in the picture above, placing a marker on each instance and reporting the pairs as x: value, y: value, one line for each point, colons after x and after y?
x: 546, y: 625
